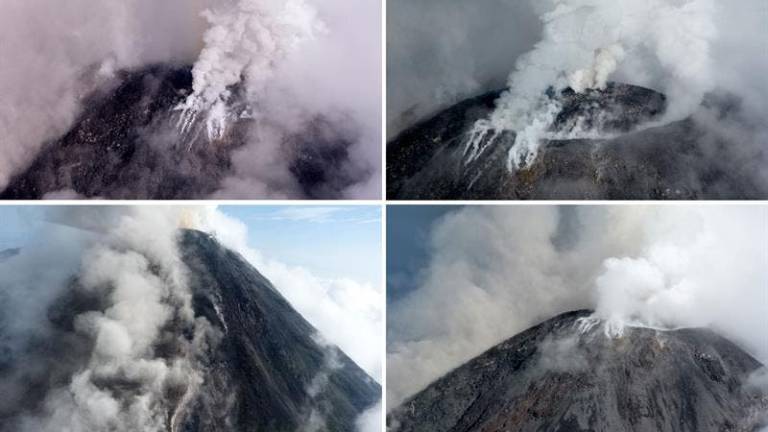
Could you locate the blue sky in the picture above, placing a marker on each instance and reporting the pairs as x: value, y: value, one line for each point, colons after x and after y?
x: 332, y: 242
x: 338, y: 241
x: 18, y: 224
x: 408, y: 232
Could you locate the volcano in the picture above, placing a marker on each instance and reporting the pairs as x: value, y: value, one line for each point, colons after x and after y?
x: 265, y: 369
x: 127, y: 144
x: 625, y: 160
x: 562, y: 375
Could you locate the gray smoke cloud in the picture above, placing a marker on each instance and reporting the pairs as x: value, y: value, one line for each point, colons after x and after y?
x: 296, y: 61
x: 119, y: 264
x: 495, y: 271
x: 442, y: 51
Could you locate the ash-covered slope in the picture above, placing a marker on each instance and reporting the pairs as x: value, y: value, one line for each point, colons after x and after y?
x: 128, y: 144
x: 557, y: 376
x: 680, y: 160
x: 261, y: 365
x: 268, y: 370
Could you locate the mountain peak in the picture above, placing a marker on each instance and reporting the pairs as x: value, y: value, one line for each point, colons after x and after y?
x: 563, y: 376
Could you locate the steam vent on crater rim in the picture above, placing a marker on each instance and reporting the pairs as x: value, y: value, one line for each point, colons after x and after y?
x: 563, y: 376
x: 628, y: 158
x: 262, y: 368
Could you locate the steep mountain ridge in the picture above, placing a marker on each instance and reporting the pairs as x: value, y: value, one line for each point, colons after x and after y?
x: 269, y: 357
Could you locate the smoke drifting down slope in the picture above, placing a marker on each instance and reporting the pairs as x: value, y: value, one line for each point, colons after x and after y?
x: 260, y: 67
x: 163, y: 333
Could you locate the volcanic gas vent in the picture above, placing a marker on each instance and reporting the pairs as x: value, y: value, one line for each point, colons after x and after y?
x: 598, y: 144
x: 560, y: 376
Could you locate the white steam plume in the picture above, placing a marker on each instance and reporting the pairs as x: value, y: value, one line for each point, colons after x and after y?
x: 245, y: 42
x: 584, y: 43
x: 496, y: 271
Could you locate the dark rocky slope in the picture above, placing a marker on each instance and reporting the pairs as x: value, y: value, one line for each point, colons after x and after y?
x: 553, y: 377
x: 127, y: 144
x: 681, y: 160
x: 268, y: 356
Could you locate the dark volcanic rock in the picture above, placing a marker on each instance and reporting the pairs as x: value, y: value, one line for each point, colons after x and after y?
x: 680, y: 160
x: 127, y: 144
x: 553, y: 377
x: 267, y: 357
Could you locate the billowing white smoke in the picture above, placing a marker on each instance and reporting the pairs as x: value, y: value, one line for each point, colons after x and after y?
x: 691, y: 265
x: 370, y: 420
x: 584, y: 44
x: 131, y: 263
x: 496, y: 271
x: 245, y: 42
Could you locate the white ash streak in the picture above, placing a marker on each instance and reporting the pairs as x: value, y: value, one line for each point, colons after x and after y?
x: 244, y: 44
